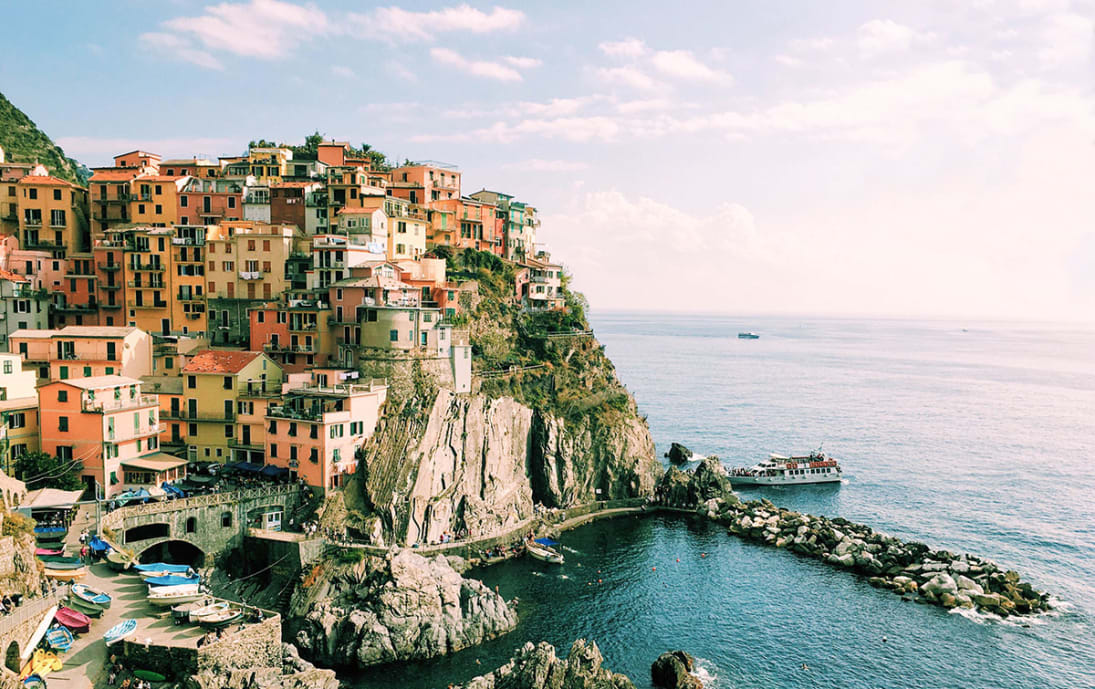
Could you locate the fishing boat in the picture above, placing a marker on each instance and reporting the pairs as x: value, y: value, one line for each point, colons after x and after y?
x: 748, y: 336
x: 778, y: 470
x: 90, y: 595
x: 98, y: 547
x: 50, y: 533
x: 220, y: 619
x: 75, y: 620
x: 181, y: 612
x: 120, y: 631
x: 156, y: 569
x: 543, y: 549
x: 50, y: 551
x: 65, y: 574
x: 34, y: 682
x: 59, y: 638
x: 61, y: 562
x: 118, y: 561
x: 41, y: 663
x: 38, y: 635
x: 208, y: 611
x: 87, y: 608
x: 172, y: 580
x: 149, y: 675
x: 173, y: 595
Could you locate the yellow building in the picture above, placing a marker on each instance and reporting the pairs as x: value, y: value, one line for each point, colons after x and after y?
x: 187, y: 268
x: 18, y: 411
x: 52, y: 215
x: 267, y: 165
x: 223, y: 402
x: 154, y: 200
x: 407, y: 228
x: 246, y: 260
x: 111, y: 190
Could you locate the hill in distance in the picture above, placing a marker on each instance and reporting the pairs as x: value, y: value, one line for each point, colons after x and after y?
x: 24, y: 142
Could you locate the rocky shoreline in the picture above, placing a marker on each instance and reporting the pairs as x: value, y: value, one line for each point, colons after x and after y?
x: 911, y: 569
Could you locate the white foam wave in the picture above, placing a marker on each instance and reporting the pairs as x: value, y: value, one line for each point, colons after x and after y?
x: 571, y: 550
x: 706, y: 672
x: 982, y: 617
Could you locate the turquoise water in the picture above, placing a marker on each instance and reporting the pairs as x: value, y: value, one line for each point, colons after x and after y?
x: 980, y: 441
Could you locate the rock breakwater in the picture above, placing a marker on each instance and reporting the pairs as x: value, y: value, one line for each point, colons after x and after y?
x: 911, y: 569
x: 535, y: 666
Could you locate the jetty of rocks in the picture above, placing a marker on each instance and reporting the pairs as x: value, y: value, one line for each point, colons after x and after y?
x: 911, y: 569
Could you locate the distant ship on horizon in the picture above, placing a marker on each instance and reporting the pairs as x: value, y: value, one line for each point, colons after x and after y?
x: 748, y: 336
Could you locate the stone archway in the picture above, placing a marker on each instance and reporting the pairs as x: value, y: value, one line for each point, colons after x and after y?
x: 174, y: 551
x: 11, y: 657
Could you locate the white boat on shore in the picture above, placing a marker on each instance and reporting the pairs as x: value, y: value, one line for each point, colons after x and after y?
x: 541, y: 549
x: 778, y: 470
x: 174, y: 595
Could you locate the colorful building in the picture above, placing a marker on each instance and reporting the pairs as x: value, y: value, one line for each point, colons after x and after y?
x: 223, y: 402
x: 543, y: 290
x: 52, y: 215
x: 294, y: 332
x: 154, y: 200
x: 18, y: 411
x: 111, y: 428
x: 84, y: 351
x: 426, y: 182
x: 22, y: 306
x: 208, y: 201
x: 407, y: 228
x: 519, y: 223
x: 317, y: 432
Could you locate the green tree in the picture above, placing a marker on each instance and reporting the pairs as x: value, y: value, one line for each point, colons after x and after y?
x: 41, y: 470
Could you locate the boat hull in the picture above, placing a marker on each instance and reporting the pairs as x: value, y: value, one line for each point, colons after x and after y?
x: 89, y: 609
x: 119, y: 631
x: 175, y: 599
x: 66, y: 574
x: 220, y: 621
x: 781, y: 481
x: 544, y: 555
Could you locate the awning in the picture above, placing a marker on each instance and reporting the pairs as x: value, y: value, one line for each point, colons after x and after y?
x: 547, y: 542
x: 274, y: 472
x: 46, y: 498
x: 160, y: 461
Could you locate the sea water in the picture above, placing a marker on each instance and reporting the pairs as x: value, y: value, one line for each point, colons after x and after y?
x: 974, y: 437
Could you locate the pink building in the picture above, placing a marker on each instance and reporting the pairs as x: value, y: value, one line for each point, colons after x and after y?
x: 199, y: 203
x: 112, y: 429
x: 426, y: 182
x: 317, y: 432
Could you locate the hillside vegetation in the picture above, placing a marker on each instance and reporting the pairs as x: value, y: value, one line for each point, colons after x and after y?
x: 24, y: 142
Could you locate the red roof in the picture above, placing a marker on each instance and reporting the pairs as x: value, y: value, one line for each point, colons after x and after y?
x: 162, y: 178
x: 115, y: 174
x: 13, y: 277
x: 357, y: 211
x: 44, y: 179
x: 218, y: 361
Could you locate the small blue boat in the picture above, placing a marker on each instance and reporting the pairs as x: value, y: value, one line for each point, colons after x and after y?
x: 98, y: 546
x: 34, y: 682
x: 59, y: 638
x: 91, y: 596
x: 120, y: 631
x: 162, y: 567
x: 172, y: 580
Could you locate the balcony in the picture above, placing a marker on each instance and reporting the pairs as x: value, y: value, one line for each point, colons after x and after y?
x: 43, y: 244
x: 241, y: 445
x: 194, y: 315
x: 76, y: 308
x: 277, y: 347
x: 112, y: 405
x: 190, y: 297
x: 154, y: 305
x: 302, y: 327
x: 251, y: 274
x: 156, y: 267
x: 108, y: 305
x: 137, y: 284
x: 199, y: 415
x: 283, y: 412
x: 259, y: 388
x: 31, y: 293
x: 188, y: 241
x: 110, y: 285
x: 32, y: 222
x: 110, y: 267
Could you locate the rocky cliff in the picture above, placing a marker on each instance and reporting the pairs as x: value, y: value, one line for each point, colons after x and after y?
x: 537, y: 667
x: 377, y: 611
x: 20, y: 571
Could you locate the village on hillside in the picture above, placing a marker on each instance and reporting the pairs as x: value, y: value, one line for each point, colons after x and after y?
x: 176, y: 315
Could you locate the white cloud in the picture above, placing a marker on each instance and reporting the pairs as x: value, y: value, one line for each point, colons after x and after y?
x: 169, y: 45
x: 541, y: 165
x: 400, y: 71
x: 265, y: 29
x: 650, y: 105
x: 627, y: 76
x: 522, y: 62
x: 399, y: 25
x: 682, y: 64
x: 788, y: 60
x: 1067, y: 38
x: 811, y: 45
x: 629, y: 47
x: 882, y: 36
x: 343, y: 71
x: 478, y: 68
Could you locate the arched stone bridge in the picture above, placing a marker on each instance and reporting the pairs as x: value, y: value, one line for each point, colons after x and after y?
x: 210, y: 523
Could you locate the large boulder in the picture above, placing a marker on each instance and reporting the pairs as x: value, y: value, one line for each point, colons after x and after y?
x: 673, y: 670
x: 409, y: 608
x: 939, y: 584
x: 535, y: 666
x: 679, y: 454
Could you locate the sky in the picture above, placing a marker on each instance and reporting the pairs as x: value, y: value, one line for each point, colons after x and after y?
x: 911, y: 159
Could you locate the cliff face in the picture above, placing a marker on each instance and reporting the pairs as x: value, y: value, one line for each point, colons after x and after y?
x: 411, y: 608
x: 20, y: 571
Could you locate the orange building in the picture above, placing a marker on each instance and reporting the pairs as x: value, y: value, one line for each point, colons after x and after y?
x: 111, y: 428
x: 155, y: 200
x: 52, y: 215
x: 426, y: 182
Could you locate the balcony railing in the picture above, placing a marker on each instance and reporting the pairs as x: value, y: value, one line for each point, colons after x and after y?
x: 278, y: 347
x: 251, y: 274
x: 31, y: 293
x: 306, y: 414
x: 76, y: 308
x: 108, y: 305
x: 200, y: 415
x: 105, y: 405
x: 110, y: 285
x: 154, y: 305
x: 110, y: 267
x: 188, y: 241
x: 147, y: 266
x: 143, y: 285
x: 259, y: 388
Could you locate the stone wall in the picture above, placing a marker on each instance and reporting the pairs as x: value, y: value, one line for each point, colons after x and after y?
x: 173, y: 662
x: 256, y: 645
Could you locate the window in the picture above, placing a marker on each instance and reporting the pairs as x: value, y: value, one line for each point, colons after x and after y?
x: 57, y: 218
x: 192, y: 429
x: 7, y: 365
x: 226, y: 520
x: 228, y: 430
x: 191, y: 524
x: 231, y: 201
x: 17, y: 420
x: 393, y: 335
x: 227, y: 382
x: 183, y: 201
x: 266, y: 245
x: 111, y: 354
x: 87, y: 371
x: 62, y: 395
x: 273, y: 450
x: 33, y: 193
x: 64, y: 372
x: 313, y: 456
x: 191, y: 382
x: 62, y: 423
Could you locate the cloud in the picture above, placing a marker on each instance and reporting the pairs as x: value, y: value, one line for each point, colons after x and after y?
x: 789, y: 60
x: 1067, y: 38
x: 882, y: 36
x: 101, y: 150
x: 173, y: 46
x: 398, y: 25
x: 650, y: 105
x: 629, y: 47
x: 812, y: 45
x: 541, y: 165
x: 522, y: 62
x: 342, y: 71
x: 265, y: 29
x: 627, y: 76
x: 478, y: 68
x: 400, y: 71
x: 682, y: 64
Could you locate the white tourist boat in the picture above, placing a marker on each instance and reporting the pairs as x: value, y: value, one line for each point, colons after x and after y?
x: 541, y: 549
x: 778, y: 470
x: 174, y: 595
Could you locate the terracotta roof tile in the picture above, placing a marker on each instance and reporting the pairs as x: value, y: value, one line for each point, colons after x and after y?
x: 219, y: 361
x: 44, y: 179
x: 357, y: 211
x: 115, y: 175
x: 13, y: 277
